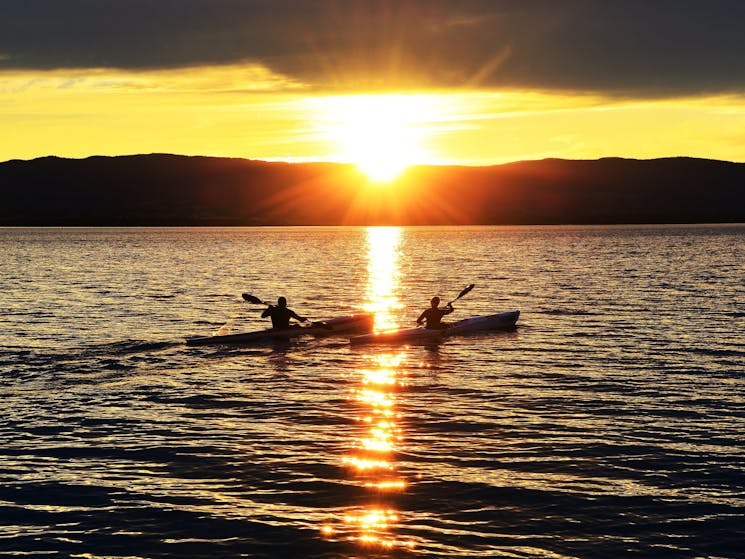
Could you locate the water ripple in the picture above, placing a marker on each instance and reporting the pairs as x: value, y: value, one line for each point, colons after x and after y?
x: 607, y: 425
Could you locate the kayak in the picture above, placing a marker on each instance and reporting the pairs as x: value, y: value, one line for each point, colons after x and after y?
x: 501, y: 321
x: 343, y: 324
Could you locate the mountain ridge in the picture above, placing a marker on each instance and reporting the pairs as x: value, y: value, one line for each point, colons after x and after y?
x: 168, y: 189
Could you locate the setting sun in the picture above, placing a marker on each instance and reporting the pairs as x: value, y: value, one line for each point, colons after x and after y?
x: 381, y: 134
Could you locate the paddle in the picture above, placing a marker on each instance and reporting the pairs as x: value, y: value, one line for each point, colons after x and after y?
x: 465, y: 290
x: 255, y: 300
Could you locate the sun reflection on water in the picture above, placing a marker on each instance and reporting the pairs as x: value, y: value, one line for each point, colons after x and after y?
x: 371, y: 460
x: 382, y: 267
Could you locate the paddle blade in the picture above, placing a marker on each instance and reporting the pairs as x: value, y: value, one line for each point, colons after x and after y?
x: 251, y: 299
x: 465, y: 290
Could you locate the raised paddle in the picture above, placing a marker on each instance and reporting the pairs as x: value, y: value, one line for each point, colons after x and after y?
x: 463, y: 292
x: 255, y: 300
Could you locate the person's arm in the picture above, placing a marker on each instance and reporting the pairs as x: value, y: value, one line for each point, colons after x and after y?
x: 267, y: 312
x: 294, y: 315
x: 448, y: 309
x: 422, y: 317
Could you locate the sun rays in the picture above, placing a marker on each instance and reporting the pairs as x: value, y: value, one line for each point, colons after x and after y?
x: 381, y: 134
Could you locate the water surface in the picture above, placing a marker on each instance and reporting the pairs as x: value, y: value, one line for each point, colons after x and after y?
x: 609, y: 424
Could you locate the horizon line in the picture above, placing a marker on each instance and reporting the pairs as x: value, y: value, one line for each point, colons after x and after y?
x: 290, y: 161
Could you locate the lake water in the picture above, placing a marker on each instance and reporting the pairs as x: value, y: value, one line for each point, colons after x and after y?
x: 608, y: 424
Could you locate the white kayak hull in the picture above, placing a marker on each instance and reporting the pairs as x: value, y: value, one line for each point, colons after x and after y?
x: 501, y: 321
x: 340, y: 325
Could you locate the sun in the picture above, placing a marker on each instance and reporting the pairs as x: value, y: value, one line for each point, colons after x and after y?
x: 381, y: 150
x: 381, y: 134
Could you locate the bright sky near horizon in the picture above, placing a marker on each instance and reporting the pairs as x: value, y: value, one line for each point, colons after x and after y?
x: 380, y: 83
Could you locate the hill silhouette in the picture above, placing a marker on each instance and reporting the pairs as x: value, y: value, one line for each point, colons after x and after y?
x: 179, y: 190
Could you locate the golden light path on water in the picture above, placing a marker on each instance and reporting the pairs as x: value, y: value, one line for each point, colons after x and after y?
x: 383, y: 275
x: 371, y: 459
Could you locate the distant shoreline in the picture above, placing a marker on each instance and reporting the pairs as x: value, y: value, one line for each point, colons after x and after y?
x: 474, y: 226
x: 184, y: 191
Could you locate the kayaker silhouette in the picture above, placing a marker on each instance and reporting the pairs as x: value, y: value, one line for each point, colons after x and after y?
x: 281, y: 315
x: 433, y: 315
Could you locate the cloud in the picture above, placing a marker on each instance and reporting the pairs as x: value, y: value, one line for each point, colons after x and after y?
x: 634, y: 47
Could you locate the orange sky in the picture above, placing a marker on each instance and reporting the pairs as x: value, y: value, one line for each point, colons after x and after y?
x: 327, y: 98
x: 213, y: 111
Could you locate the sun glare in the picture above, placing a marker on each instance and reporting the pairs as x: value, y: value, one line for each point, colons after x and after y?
x: 381, y: 134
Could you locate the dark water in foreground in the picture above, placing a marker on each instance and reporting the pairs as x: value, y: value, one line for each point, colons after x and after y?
x: 609, y: 424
